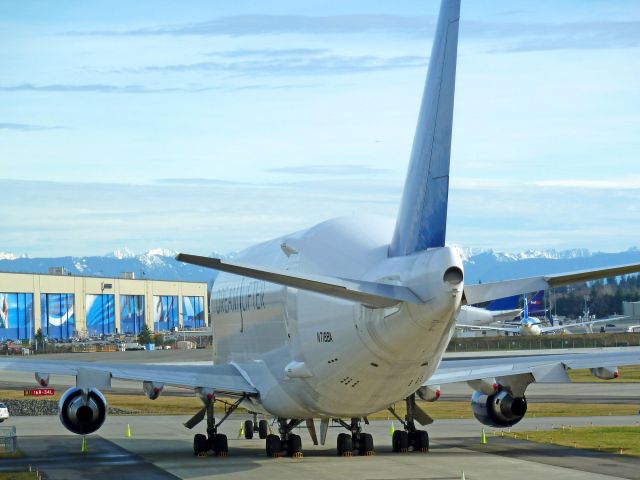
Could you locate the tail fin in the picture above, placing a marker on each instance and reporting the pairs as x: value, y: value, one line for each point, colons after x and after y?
x: 422, y: 220
x: 536, y: 304
x: 525, y: 307
x: 507, y: 303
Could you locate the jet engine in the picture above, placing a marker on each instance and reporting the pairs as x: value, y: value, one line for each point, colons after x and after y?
x: 82, y: 411
x: 500, y: 409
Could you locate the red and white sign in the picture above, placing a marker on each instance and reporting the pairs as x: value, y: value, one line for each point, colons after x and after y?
x: 39, y: 392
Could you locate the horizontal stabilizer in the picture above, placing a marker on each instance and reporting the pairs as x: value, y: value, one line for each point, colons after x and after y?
x: 485, y: 292
x: 377, y: 295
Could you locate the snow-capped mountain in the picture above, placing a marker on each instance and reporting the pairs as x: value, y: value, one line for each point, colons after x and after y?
x: 489, y: 266
x: 155, y: 264
x: 11, y: 256
x: 469, y: 253
x: 159, y: 264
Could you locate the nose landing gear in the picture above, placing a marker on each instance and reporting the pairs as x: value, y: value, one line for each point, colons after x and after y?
x: 250, y: 427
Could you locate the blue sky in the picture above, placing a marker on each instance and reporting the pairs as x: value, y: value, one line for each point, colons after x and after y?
x: 203, y: 126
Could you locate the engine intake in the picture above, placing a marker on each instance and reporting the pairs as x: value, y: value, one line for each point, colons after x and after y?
x: 499, y: 410
x: 82, y: 411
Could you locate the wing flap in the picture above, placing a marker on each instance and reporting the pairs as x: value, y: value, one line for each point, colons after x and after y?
x: 378, y: 295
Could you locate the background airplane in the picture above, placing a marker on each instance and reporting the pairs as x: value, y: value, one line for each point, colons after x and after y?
x: 500, y: 310
x: 529, y: 325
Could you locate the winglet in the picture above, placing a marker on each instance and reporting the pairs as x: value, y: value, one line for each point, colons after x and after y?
x: 422, y: 219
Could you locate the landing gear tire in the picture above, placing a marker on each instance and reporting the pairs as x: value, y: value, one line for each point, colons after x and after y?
x: 366, y: 444
x: 220, y: 445
x: 345, y: 445
x: 419, y: 439
x: 400, y: 441
x: 294, y: 445
x: 200, y: 444
x: 263, y: 429
x: 273, y: 445
x: 248, y: 429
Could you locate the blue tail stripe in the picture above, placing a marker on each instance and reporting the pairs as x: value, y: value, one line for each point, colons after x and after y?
x: 507, y: 303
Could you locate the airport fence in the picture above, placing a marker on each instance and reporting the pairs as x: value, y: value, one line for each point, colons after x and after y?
x: 8, y: 440
x: 544, y: 342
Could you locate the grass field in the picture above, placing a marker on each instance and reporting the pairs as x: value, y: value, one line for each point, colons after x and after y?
x: 605, y: 439
x: 18, y: 476
x: 169, y: 405
x: 17, y: 454
x: 450, y: 410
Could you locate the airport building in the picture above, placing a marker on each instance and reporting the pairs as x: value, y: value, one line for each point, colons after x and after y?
x: 632, y: 310
x: 66, y: 306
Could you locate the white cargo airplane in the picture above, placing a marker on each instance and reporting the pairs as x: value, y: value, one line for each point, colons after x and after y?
x: 471, y: 317
x: 348, y: 317
x: 532, y: 326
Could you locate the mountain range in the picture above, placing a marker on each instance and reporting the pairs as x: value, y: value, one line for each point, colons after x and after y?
x: 159, y: 264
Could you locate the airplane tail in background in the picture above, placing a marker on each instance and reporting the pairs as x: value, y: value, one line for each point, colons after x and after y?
x: 507, y: 303
x: 422, y: 219
x: 536, y: 304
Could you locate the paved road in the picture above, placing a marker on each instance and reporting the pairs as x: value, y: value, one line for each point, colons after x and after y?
x: 161, y: 448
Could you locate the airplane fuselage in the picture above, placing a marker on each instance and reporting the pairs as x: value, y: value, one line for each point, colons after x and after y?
x: 312, y: 355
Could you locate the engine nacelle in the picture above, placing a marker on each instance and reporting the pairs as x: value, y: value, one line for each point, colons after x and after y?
x: 152, y: 389
x: 82, y: 411
x: 42, y: 379
x: 499, y: 410
x: 430, y: 393
x: 605, y: 373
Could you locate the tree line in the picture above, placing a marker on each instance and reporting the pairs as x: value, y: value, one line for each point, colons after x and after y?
x: 603, y: 297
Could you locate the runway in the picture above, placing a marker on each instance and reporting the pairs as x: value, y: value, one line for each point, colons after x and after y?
x: 160, y: 448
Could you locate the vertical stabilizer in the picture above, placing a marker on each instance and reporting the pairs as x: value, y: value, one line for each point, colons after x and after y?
x: 507, y: 303
x: 422, y: 220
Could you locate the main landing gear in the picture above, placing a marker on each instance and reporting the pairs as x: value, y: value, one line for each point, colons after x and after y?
x: 250, y: 427
x: 410, y: 437
x: 212, y: 441
x: 286, y: 443
x: 357, y: 442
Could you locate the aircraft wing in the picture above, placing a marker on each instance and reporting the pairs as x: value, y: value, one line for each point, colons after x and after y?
x: 506, y: 315
x: 484, y: 327
x: 582, y: 324
x: 224, y: 379
x: 379, y: 295
x: 549, y: 368
x: 485, y: 292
